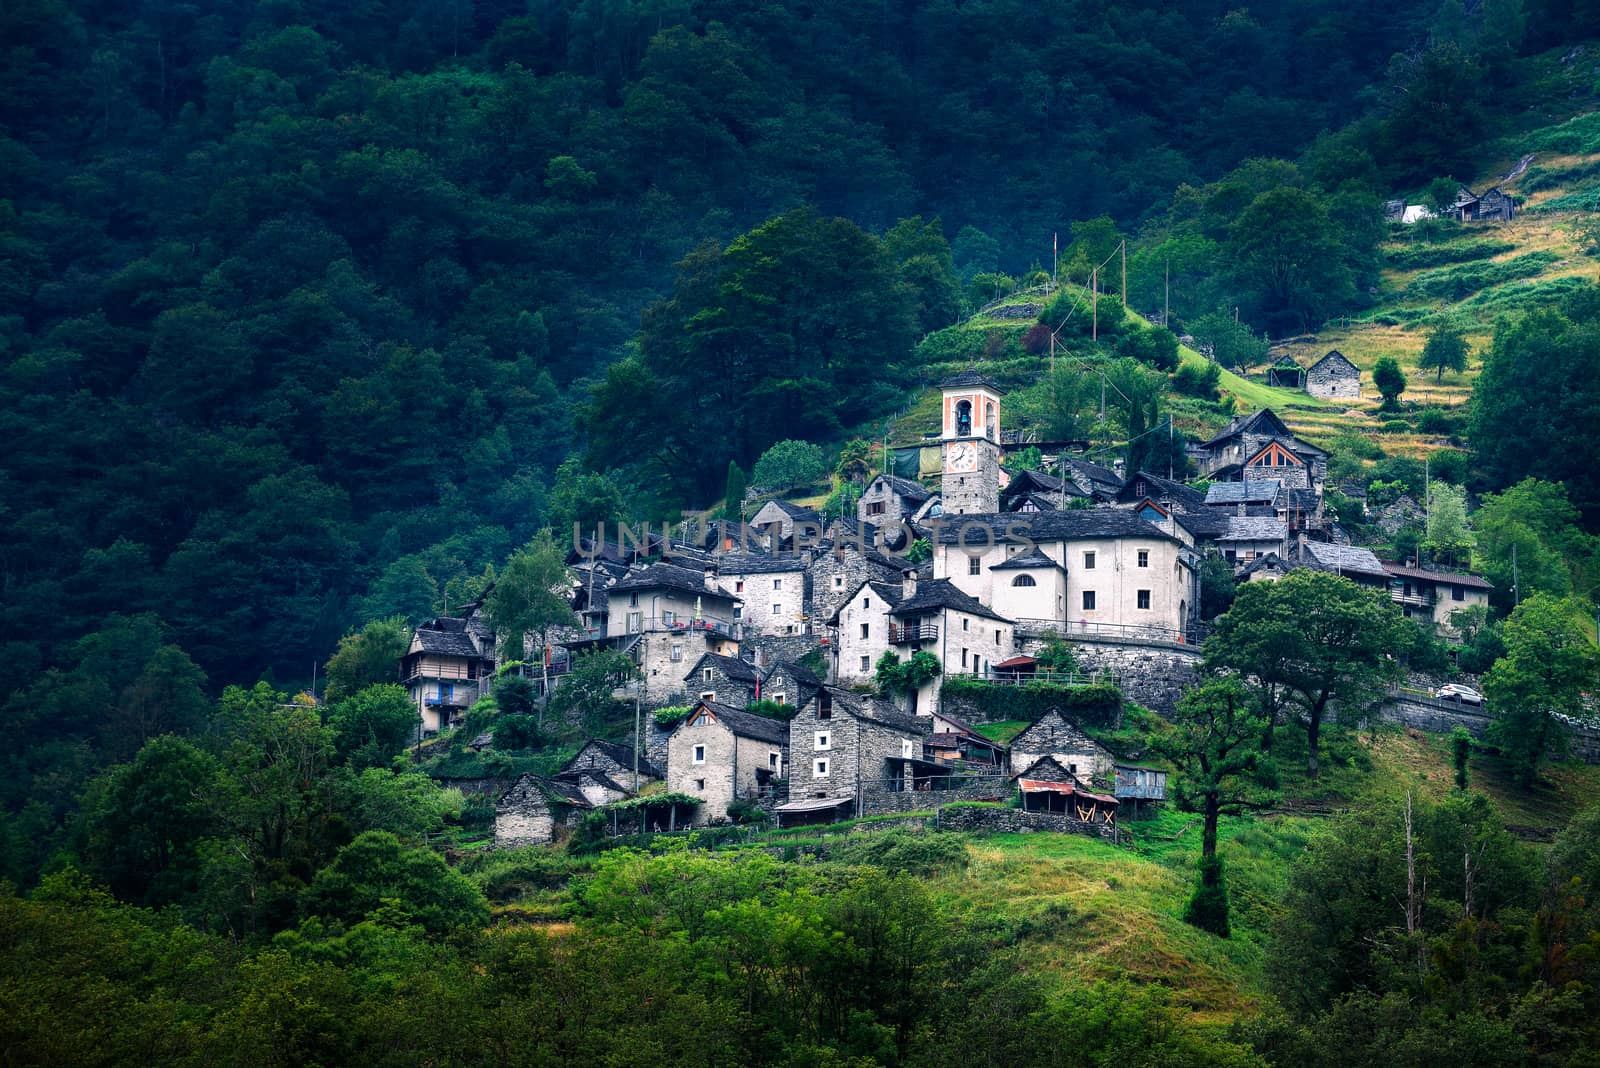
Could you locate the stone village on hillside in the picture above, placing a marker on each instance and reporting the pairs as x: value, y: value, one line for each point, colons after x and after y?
x: 1108, y: 560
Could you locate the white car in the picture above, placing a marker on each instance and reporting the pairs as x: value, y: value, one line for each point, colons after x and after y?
x: 1455, y: 691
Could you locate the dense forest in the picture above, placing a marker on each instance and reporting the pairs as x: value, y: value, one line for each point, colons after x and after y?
x: 311, y: 313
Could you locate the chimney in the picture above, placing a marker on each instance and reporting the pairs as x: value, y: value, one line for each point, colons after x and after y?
x: 711, y: 575
x: 1300, y: 546
x: 908, y: 583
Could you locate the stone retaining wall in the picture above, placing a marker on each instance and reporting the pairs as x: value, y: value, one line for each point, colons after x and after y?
x: 1016, y: 821
x: 1583, y: 740
x: 1151, y: 675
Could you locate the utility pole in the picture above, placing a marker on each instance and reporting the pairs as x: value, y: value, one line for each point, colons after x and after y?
x: 1094, y: 304
x: 1055, y: 254
x: 1516, y: 581
x: 638, y: 723
x: 1166, y: 299
x: 1171, y: 444
x: 1124, y: 272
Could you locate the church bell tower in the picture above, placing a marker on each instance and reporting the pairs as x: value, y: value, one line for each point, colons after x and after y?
x: 970, y: 442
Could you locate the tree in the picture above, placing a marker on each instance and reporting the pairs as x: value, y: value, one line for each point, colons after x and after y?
x: 372, y: 727
x: 1528, y: 539
x: 789, y: 465
x: 1390, y: 380
x: 1233, y: 343
x: 586, y: 694
x: 1290, y: 259
x: 583, y: 500
x: 375, y: 871
x: 1537, y: 394
x: 1549, y: 664
x: 1447, y: 537
x: 515, y: 695
x: 1215, y: 744
x: 1460, y: 754
x: 367, y: 657
x: 531, y: 596
x: 1445, y: 350
x: 733, y: 493
x: 1310, y: 640
x: 855, y: 461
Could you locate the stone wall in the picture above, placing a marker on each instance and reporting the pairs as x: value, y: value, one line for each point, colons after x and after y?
x: 1016, y: 821
x: 1153, y: 675
x: 771, y: 648
x: 1335, y: 378
x: 1424, y: 715
x: 1053, y: 734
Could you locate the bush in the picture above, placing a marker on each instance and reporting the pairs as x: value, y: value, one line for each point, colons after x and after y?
x: 1396, y: 426
x: 1208, y: 907
x: 771, y: 710
x: 1354, y: 443
x: 517, y: 732
x: 789, y: 465
x: 1434, y: 420
x: 747, y: 812
x: 923, y: 854
x: 1198, y: 380
x: 1450, y: 465
x: 1037, y: 340
x: 669, y: 717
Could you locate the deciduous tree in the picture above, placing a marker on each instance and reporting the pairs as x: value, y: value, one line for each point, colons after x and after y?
x: 1549, y: 664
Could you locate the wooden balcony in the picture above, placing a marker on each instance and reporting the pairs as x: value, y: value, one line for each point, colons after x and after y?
x: 913, y: 632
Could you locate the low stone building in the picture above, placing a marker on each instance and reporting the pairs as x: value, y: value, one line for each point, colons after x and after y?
x: 536, y: 810
x: 850, y: 746
x: 889, y: 499
x: 727, y: 680
x: 1334, y: 376
x: 722, y: 755
x: 1049, y: 785
x: 1053, y: 735
x: 772, y: 589
x: 789, y: 683
x: 615, y: 760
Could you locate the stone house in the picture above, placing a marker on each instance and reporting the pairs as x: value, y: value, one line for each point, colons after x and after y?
x: 1048, y: 785
x: 939, y: 617
x: 1355, y: 563
x: 860, y: 630
x: 534, y: 810
x: 665, y: 617
x: 1223, y: 456
x: 1053, y: 735
x: 1266, y: 568
x: 1091, y: 479
x: 782, y: 521
x: 1248, y: 537
x: 722, y: 755
x: 1286, y: 374
x: 612, y: 759
x: 727, y: 680
x: 772, y: 588
x: 838, y: 571
x: 1334, y: 376
x: 888, y: 499
x: 1432, y: 596
x: 448, y: 665
x: 1250, y: 496
x: 1495, y: 204
x: 1281, y: 463
x: 1175, y: 505
x: 850, y: 746
x: 1122, y: 574
x: 789, y: 683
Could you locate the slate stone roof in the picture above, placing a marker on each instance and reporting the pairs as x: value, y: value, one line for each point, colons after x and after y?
x: 446, y: 636
x: 747, y: 724
x: 671, y: 577
x: 1265, y: 561
x: 1030, y: 559
x: 1093, y: 472
x: 759, y: 563
x: 1030, y: 479
x: 1188, y: 503
x: 617, y: 751
x: 940, y: 594
x: 1065, y: 524
x: 731, y: 666
x: 1254, y: 528
x: 906, y: 488
x: 1342, y: 558
x: 794, y: 511
x: 1446, y: 578
x: 970, y: 377
x: 1339, y: 362
x: 1250, y: 491
x: 796, y: 670
x: 1262, y: 421
x: 875, y: 709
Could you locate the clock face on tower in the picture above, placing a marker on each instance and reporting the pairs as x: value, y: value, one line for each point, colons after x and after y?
x: 962, y: 456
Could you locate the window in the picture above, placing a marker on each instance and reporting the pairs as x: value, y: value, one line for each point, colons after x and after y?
x: 824, y: 742
x: 706, y: 674
x: 1144, y: 599
x: 1458, y: 593
x: 738, y: 587
x: 708, y: 695
x: 738, y: 611
x: 819, y: 770
x: 866, y: 602
x: 447, y: 692
x: 1088, y: 561
x: 699, y: 784
x: 963, y: 622
x: 974, y: 565
x: 777, y: 609
x: 1144, y: 557
x: 838, y: 582
x: 865, y: 627
x: 633, y: 600
x: 963, y: 659
x: 778, y: 699
x: 1088, y: 600
x: 677, y: 652
x: 825, y: 705
x: 699, y: 754
x: 777, y: 584
x: 772, y: 761
x: 1023, y: 580
x: 866, y: 664
x: 669, y: 618
x: 997, y: 636
x: 875, y: 508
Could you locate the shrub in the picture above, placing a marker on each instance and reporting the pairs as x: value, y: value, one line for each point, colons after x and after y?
x: 771, y: 709
x: 747, y: 812
x: 1434, y: 420
x: 923, y: 854
x: 1037, y: 340
x: 1396, y: 426
x: 671, y: 716
x: 1198, y: 380
x: 1208, y: 907
x: 1450, y: 465
x: 517, y: 732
